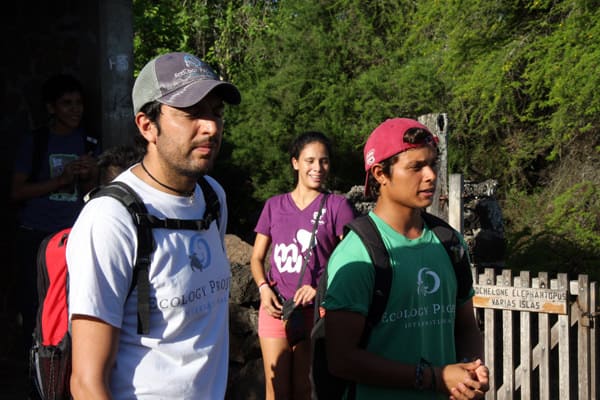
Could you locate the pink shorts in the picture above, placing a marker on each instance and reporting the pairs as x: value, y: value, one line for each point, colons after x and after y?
x: 269, y: 327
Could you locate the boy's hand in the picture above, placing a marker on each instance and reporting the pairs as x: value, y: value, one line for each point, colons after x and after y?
x: 475, y: 385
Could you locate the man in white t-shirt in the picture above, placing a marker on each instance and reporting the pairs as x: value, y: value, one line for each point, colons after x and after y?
x: 178, y: 102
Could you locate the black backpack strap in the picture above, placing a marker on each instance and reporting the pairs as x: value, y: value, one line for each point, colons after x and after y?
x: 212, y: 212
x: 213, y: 206
x: 456, y: 252
x: 171, y: 223
x: 367, y: 231
x: 127, y: 196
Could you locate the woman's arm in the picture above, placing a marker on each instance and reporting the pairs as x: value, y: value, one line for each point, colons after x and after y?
x: 268, y: 299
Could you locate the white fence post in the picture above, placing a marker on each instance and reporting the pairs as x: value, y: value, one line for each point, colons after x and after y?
x: 455, y: 202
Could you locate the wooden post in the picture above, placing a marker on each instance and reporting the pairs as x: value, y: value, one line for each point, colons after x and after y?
x: 438, y: 125
x: 544, y: 342
x: 564, y: 346
x: 524, y: 377
x: 583, y: 338
x: 455, y: 202
x: 594, y: 336
x: 489, y: 339
x: 508, y: 328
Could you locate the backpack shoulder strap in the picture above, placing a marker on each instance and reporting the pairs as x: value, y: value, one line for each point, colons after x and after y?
x: 145, y: 222
x: 367, y: 231
x: 213, y: 206
x: 129, y: 198
x: 456, y: 252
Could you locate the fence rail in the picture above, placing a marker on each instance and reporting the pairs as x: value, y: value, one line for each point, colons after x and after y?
x: 540, y: 335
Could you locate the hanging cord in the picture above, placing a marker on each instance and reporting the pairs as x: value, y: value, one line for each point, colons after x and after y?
x: 181, y: 192
x: 311, y: 242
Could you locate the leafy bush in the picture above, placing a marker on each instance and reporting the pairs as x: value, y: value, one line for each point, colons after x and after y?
x: 560, y: 234
x: 518, y: 81
x: 576, y: 214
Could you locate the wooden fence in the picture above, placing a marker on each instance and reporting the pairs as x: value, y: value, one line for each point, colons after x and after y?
x: 541, y: 335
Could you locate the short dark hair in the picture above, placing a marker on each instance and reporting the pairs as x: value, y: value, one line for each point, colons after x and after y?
x: 152, y: 110
x: 58, y: 85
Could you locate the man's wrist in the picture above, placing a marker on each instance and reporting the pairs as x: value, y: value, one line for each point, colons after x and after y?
x: 425, y: 376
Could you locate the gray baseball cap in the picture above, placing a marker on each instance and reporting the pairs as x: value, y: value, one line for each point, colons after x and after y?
x: 179, y: 80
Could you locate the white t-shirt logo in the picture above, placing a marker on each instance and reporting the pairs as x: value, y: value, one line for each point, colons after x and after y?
x: 200, y: 257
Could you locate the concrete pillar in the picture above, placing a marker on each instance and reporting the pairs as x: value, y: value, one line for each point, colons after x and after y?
x: 116, y: 71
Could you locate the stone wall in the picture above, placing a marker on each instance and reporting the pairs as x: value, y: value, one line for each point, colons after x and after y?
x: 483, y: 225
x: 246, y: 377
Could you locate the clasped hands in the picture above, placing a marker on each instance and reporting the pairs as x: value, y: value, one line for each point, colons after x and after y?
x: 469, y: 380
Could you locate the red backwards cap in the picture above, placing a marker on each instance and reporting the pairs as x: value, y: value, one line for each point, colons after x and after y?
x: 388, y: 139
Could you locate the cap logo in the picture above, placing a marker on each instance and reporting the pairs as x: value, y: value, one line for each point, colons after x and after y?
x: 370, y: 157
x: 195, y: 69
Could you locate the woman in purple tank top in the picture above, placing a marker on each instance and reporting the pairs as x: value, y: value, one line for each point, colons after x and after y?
x: 286, y: 226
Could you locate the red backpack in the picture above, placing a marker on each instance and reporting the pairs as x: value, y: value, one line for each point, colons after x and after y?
x: 50, y: 356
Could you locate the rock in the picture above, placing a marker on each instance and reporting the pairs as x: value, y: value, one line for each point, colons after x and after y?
x: 243, y: 327
x: 243, y: 290
x: 246, y: 376
x: 238, y: 251
x: 356, y: 197
x: 246, y: 381
x: 483, y: 225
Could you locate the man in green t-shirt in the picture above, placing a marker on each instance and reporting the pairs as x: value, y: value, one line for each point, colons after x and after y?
x: 413, y: 351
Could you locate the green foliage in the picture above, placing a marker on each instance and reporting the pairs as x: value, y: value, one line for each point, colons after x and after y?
x: 159, y: 27
x: 548, y: 252
x: 199, y: 27
x: 576, y: 214
x: 555, y: 233
x: 518, y: 81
